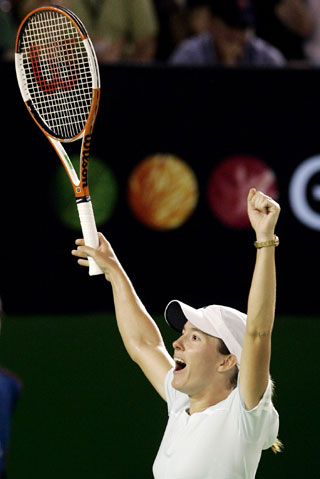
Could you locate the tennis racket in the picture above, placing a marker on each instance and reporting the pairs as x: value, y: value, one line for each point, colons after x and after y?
x: 58, y: 76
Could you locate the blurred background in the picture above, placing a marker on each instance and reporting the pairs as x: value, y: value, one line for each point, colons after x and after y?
x: 181, y: 136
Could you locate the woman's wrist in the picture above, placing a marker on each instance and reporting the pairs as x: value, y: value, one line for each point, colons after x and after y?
x: 267, y: 242
x: 261, y: 237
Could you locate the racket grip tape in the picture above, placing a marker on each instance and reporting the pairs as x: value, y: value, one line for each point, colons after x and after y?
x: 89, y: 231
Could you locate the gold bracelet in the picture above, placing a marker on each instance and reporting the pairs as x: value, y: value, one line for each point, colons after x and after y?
x: 274, y: 242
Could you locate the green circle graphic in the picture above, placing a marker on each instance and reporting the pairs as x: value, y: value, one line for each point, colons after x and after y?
x: 103, y: 191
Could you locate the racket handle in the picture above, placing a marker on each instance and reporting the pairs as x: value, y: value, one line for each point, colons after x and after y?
x: 89, y: 231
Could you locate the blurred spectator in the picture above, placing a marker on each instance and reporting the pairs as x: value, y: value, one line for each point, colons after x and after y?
x: 311, y: 45
x: 178, y: 20
x: 7, y: 30
x: 10, y: 390
x: 230, y: 40
x: 200, y: 16
x: 286, y: 24
x: 119, y: 29
x: 173, y: 26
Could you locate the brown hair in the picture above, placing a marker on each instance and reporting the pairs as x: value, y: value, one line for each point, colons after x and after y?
x: 277, y: 446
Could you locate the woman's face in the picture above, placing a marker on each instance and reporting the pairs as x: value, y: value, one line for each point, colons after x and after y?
x: 197, y: 360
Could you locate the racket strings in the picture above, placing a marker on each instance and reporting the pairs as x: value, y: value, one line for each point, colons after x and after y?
x: 58, y: 73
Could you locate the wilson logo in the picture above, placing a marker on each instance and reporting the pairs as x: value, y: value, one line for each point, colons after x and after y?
x: 85, y: 159
x: 60, y: 68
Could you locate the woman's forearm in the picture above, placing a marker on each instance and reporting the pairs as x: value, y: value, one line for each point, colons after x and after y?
x: 262, y: 296
x: 136, y: 326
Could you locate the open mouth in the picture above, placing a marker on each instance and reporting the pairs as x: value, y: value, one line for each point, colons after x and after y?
x: 179, y: 364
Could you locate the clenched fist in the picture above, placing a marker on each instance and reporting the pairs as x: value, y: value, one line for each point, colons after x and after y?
x: 263, y: 213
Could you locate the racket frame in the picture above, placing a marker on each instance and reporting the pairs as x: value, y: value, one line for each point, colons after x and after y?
x: 79, y: 183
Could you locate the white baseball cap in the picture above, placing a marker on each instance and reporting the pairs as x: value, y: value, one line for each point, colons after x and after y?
x: 222, y: 322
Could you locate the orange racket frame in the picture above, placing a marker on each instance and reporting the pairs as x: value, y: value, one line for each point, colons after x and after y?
x: 50, y: 85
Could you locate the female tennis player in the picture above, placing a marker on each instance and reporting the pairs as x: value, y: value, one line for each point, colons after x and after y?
x: 217, y: 385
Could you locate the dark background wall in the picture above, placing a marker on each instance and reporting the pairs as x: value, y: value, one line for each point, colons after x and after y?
x: 202, y: 116
x: 78, y: 416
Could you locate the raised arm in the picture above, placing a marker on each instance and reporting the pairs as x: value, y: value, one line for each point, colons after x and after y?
x: 140, y: 334
x: 255, y: 361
